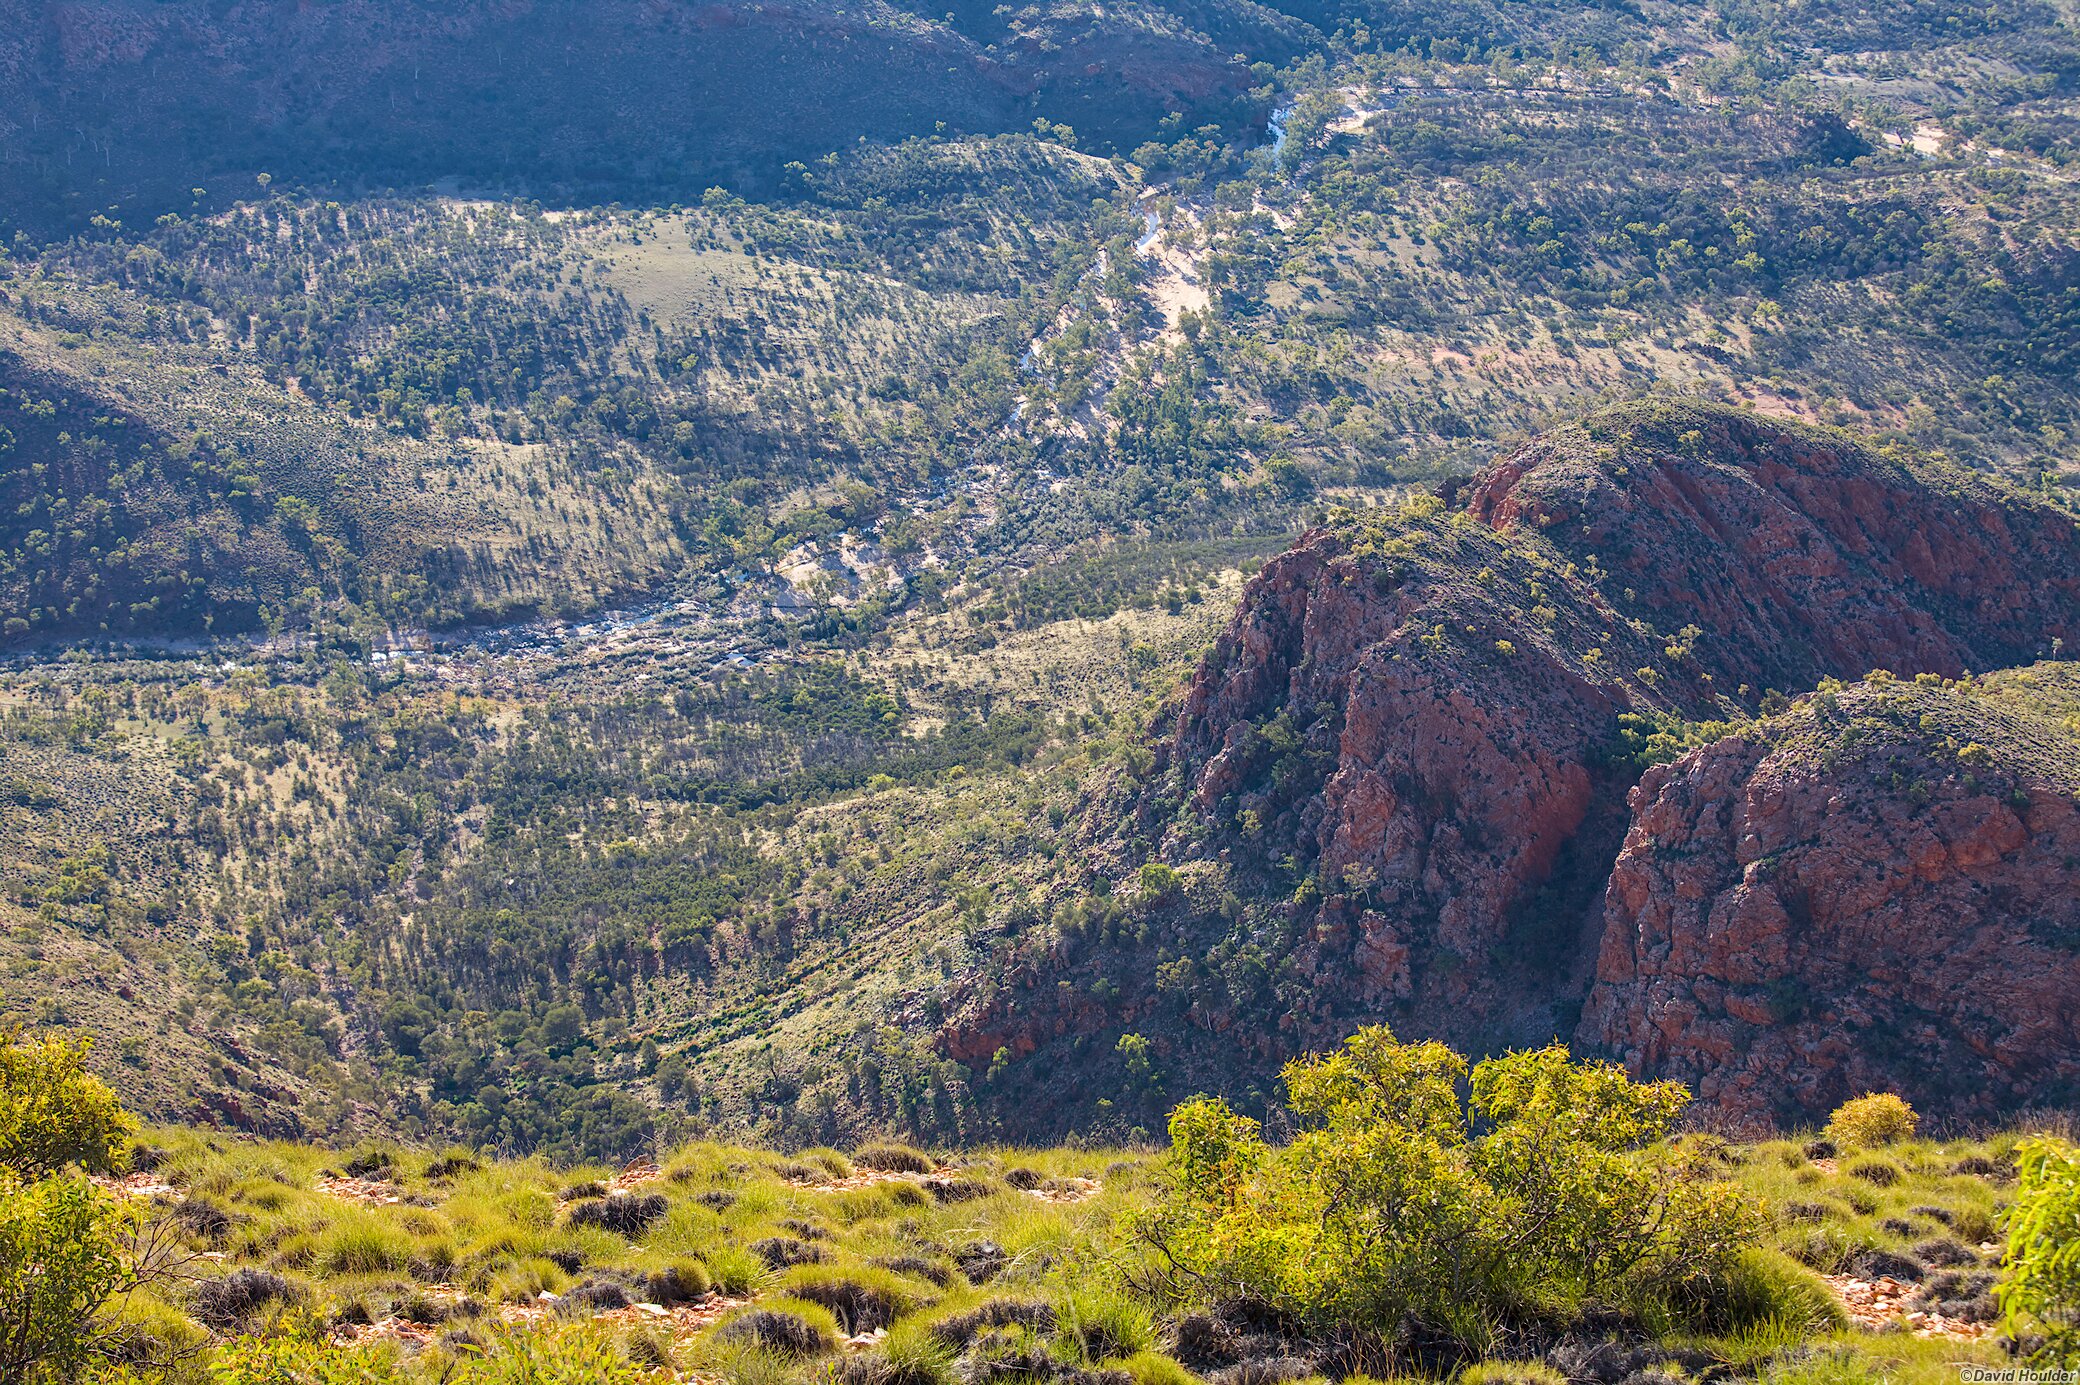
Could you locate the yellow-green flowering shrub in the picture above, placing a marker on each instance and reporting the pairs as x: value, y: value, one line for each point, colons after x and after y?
x: 53, y: 1112
x: 1877, y: 1118
x: 1553, y: 1185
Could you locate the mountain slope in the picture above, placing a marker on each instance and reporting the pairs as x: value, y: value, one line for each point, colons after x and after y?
x: 156, y: 494
x: 112, y: 100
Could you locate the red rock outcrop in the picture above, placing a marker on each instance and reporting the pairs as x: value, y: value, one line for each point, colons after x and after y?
x: 1452, y: 683
x: 1879, y: 890
x: 1797, y: 554
x: 1411, y: 744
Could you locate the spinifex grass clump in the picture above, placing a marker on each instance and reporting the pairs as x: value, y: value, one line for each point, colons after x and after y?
x: 1554, y: 1187
x: 569, y: 1356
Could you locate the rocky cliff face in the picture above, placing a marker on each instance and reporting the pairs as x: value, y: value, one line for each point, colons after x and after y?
x: 1451, y: 683
x: 1413, y: 746
x: 1797, y: 553
x: 1878, y: 890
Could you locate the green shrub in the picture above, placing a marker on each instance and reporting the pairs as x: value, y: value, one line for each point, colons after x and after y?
x: 1387, y: 1203
x: 231, y: 1300
x: 746, y: 1363
x: 293, y: 1360
x: 959, y: 1330
x: 576, y: 1356
x: 1974, y: 1225
x: 53, y: 1112
x: 1837, y: 1367
x: 1763, y: 1286
x: 678, y: 1281
x: 1862, y: 1201
x: 1759, y: 1342
x: 2041, y: 1291
x: 1151, y: 1368
x: 734, y: 1269
x: 830, y: 1161
x: 451, y: 1163
x: 61, y: 1258
x: 913, y: 1356
x: 876, y: 1201
x: 1872, y: 1120
x: 524, y: 1281
x: 145, y: 1328
x: 1827, y: 1248
x: 909, y: 1355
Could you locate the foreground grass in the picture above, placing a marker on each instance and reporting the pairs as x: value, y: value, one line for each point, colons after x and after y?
x: 889, y: 1267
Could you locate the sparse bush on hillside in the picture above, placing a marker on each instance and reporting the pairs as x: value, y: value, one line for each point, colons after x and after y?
x: 2041, y: 1294
x: 1387, y: 1203
x: 1878, y: 1118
